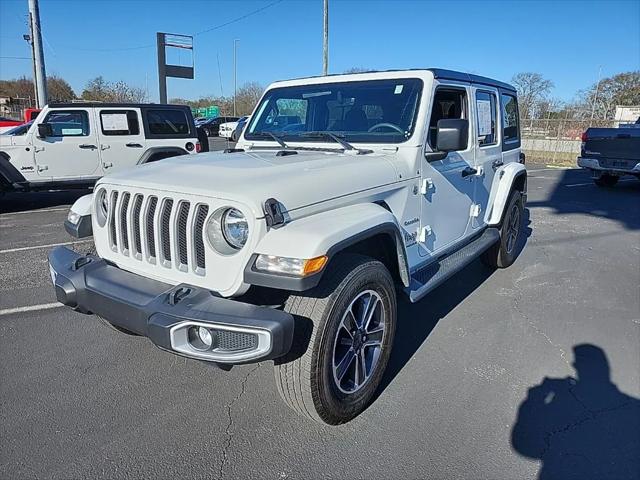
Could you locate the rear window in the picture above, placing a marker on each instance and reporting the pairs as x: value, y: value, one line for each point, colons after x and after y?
x: 168, y: 122
x: 511, y: 129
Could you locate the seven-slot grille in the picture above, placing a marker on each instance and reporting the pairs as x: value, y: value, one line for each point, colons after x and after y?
x: 157, y: 229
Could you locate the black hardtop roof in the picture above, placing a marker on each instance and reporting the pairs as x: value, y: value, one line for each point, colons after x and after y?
x: 437, y: 73
x: 114, y: 105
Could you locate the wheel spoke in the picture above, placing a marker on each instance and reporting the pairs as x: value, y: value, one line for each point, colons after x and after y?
x: 362, y: 362
x: 374, y: 337
x: 370, y: 309
x: 344, y: 364
x: 349, y: 322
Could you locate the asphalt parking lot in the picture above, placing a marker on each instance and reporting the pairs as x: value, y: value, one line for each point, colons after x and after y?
x: 519, y: 373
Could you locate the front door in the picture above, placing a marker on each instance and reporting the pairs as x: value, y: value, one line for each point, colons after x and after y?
x: 122, y: 142
x: 489, y: 150
x: 447, y: 185
x: 71, y: 152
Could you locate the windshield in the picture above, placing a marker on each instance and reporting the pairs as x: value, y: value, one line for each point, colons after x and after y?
x: 371, y: 111
x: 19, y: 130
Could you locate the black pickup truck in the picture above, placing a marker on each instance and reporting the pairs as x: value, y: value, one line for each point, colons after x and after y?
x: 610, y: 153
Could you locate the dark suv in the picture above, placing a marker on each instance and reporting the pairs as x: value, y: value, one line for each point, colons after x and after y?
x: 211, y: 127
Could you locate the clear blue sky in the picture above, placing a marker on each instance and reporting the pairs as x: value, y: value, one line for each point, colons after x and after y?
x: 566, y: 41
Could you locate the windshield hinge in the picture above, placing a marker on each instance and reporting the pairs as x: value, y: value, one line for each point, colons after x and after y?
x: 273, y: 213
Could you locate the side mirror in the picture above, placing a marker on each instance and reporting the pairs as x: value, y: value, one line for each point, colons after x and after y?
x: 453, y: 134
x: 45, y: 130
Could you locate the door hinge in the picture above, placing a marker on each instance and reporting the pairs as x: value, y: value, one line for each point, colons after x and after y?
x: 427, y: 184
x: 475, y: 210
x: 425, y: 232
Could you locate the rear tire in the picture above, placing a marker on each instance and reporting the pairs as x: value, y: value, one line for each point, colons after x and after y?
x: 504, y: 252
x: 606, y: 180
x: 337, y: 361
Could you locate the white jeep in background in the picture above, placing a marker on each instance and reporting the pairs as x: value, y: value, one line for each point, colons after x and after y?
x: 72, y: 145
x: 292, y: 245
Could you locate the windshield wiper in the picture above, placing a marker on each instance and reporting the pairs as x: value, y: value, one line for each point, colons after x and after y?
x: 346, y: 145
x: 273, y: 136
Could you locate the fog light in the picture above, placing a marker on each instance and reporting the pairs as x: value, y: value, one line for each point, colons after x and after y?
x: 201, y: 338
x: 205, y: 336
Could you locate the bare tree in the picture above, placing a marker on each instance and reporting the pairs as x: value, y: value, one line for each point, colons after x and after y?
x: 357, y: 70
x: 532, y: 88
x: 101, y: 90
x: 602, y: 98
x: 247, y: 97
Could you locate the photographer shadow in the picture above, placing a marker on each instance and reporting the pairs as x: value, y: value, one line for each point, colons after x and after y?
x: 583, y: 427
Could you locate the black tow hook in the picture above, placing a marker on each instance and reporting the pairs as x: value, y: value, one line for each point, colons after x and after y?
x: 178, y: 294
x: 80, y: 262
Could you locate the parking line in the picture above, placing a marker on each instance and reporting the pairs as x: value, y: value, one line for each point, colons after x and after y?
x: 591, y: 183
x: 35, y: 247
x: 35, y: 211
x: 31, y: 308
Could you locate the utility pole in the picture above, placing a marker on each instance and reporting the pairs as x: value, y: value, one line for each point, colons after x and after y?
x: 29, y: 40
x: 325, y: 38
x: 38, y: 54
x: 235, y: 75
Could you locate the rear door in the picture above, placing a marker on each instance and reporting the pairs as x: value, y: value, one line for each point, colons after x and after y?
x: 72, y: 151
x: 122, y: 141
x: 488, y: 152
x: 166, y: 126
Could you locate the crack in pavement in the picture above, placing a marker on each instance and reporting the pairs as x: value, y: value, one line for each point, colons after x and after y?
x: 229, y: 435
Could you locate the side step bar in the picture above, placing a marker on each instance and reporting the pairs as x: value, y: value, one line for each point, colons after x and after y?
x: 432, y: 275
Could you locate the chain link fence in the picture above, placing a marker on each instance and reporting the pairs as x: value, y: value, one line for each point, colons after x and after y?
x: 556, y: 140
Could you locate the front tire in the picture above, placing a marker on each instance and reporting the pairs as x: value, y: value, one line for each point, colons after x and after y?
x: 338, y: 359
x: 606, y: 180
x: 505, y: 251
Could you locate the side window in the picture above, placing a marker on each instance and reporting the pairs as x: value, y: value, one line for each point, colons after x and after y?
x: 119, y: 122
x: 486, y: 113
x: 68, y: 123
x: 167, y: 122
x: 447, y: 103
x: 510, y: 127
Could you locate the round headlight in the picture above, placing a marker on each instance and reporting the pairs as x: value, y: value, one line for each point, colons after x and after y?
x: 235, y: 228
x: 102, y: 207
x: 227, y: 230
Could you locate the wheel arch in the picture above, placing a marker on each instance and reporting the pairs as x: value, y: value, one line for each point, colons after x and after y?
x: 154, y: 154
x: 510, y: 177
x: 368, y: 229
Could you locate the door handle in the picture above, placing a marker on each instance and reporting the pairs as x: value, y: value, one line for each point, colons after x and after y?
x: 105, y: 147
x: 469, y: 171
x: 107, y: 164
x: 133, y: 145
x: 42, y: 168
x: 87, y: 145
x: 496, y: 164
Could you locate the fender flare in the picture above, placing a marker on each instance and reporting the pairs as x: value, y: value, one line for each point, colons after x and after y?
x: 10, y: 177
x: 164, y: 152
x: 503, y: 183
x: 82, y: 228
x: 327, y: 233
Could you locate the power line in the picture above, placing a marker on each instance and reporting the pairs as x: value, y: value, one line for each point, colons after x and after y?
x: 238, y: 19
x: 18, y: 58
x: 153, y: 45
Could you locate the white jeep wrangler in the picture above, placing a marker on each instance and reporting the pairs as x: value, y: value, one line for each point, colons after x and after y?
x: 72, y: 145
x: 292, y: 245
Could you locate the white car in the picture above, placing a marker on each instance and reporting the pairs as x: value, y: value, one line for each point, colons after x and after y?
x: 292, y: 246
x: 227, y: 129
x: 72, y: 145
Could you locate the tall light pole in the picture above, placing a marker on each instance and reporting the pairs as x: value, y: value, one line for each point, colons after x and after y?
x: 325, y: 38
x: 38, y: 54
x: 235, y: 75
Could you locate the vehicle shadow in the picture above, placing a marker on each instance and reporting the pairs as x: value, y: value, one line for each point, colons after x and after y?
x: 24, y: 202
x: 416, y: 321
x: 575, y: 193
x: 582, y: 427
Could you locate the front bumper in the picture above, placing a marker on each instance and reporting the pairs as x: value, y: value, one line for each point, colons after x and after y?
x: 166, y: 314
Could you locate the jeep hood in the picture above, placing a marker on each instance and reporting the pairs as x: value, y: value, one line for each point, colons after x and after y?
x: 252, y: 177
